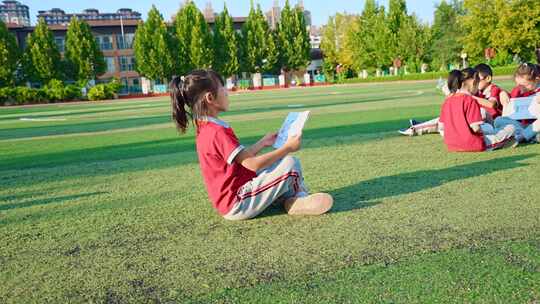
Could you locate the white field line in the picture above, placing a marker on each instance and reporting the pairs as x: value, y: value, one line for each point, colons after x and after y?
x: 42, y: 119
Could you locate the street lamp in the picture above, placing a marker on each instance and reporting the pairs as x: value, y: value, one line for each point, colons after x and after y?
x: 464, y: 57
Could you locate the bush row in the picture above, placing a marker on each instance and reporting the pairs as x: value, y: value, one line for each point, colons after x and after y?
x: 499, y: 71
x: 56, y: 91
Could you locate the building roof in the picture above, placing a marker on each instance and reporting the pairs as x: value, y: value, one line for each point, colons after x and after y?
x: 92, y: 23
x: 212, y: 20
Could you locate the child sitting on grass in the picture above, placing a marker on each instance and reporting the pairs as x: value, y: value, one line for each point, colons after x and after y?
x: 240, y: 183
x: 461, y: 117
x: 527, y: 78
x: 490, y: 97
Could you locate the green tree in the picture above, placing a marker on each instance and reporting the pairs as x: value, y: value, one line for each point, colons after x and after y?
x: 480, y: 24
x: 518, y: 31
x: 397, y: 20
x: 271, y: 61
x: 201, y: 54
x: 83, y: 57
x: 381, y: 36
x: 226, y: 60
x: 258, y: 46
x: 446, y: 33
x: 9, y: 56
x: 293, y: 38
x: 329, y: 46
x: 370, y: 38
x: 302, y: 45
x: 194, y: 39
x: 413, y: 43
x: 154, y: 48
x: 41, y: 60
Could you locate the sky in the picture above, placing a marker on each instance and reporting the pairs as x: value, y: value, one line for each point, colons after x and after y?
x: 320, y: 9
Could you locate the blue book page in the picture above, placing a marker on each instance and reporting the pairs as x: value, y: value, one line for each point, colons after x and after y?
x: 523, y: 108
x: 293, y: 125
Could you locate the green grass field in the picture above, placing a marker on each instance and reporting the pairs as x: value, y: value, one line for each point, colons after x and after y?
x: 105, y: 203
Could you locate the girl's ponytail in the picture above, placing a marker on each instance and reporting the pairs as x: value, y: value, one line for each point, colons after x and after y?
x: 455, y: 80
x: 188, y: 96
x: 178, y: 102
x: 528, y: 71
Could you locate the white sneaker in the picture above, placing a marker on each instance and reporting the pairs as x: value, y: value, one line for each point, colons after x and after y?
x: 407, y: 132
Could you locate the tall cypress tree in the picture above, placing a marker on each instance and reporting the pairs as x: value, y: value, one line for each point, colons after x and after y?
x: 301, y: 43
x: 397, y: 20
x: 286, y: 36
x: 271, y: 60
x: 154, y: 48
x: 226, y: 60
x: 9, y: 56
x: 201, y: 46
x: 194, y: 39
x: 446, y: 31
x: 293, y: 38
x: 41, y: 60
x: 83, y: 57
x: 258, y: 50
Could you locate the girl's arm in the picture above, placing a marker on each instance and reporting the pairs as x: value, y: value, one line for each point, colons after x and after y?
x: 475, y: 127
x: 491, y: 104
x: 255, y: 163
x: 505, y: 98
x: 267, y: 141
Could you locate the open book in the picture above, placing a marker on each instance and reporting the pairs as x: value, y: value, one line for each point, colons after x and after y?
x: 293, y: 125
x: 523, y: 108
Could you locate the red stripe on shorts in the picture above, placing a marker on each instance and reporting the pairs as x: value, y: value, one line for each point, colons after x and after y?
x: 499, y: 144
x: 270, y: 185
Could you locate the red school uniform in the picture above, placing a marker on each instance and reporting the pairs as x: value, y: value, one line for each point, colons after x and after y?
x: 458, y: 112
x: 517, y: 92
x: 492, y: 93
x: 217, y: 147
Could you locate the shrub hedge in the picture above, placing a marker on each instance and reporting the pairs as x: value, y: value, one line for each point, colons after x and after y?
x: 499, y: 71
x: 56, y: 91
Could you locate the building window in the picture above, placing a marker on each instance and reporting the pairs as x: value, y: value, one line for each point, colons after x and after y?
x: 111, y: 68
x: 104, y: 42
x: 127, y: 63
x: 125, y: 42
x: 60, y: 43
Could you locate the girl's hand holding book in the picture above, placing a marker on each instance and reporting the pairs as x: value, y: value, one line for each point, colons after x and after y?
x: 294, y: 143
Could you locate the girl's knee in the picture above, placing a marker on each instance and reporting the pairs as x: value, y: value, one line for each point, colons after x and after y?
x: 289, y: 162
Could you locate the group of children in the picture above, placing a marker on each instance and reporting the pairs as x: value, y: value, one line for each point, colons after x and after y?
x: 471, y: 116
x: 242, y: 182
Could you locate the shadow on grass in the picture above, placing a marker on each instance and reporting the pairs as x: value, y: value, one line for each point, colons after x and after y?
x: 319, y: 104
x: 89, y: 127
x: 47, y: 201
x: 78, y: 127
x: 118, y: 108
x: 183, y: 144
x: 363, y: 194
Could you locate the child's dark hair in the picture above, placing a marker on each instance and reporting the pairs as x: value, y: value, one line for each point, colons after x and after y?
x: 484, y: 70
x: 188, y: 93
x: 528, y: 71
x: 456, y: 78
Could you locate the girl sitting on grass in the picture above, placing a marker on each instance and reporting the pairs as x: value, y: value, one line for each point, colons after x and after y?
x: 461, y: 117
x: 240, y: 182
x: 527, y: 78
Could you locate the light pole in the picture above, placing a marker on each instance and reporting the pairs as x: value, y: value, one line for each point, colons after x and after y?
x: 464, y: 57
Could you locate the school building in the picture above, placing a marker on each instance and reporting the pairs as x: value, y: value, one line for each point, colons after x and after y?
x: 114, y: 33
